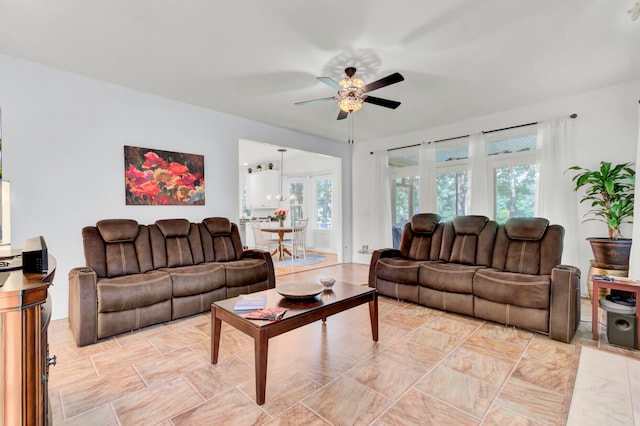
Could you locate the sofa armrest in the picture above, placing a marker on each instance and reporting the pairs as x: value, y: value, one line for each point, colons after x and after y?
x: 377, y: 255
x: 266, y: 256
x: 564, y: 312
x: 83, y: 305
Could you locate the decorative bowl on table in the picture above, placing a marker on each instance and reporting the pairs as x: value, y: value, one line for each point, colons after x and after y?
x: 327, y: 282
x: 303, y: 290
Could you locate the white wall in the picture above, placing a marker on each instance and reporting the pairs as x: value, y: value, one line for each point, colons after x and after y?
x: 606, y: 130
x: 63, y: 138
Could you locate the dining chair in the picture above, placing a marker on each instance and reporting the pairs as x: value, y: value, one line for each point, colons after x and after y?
x: 298, y: 239
x: 260, y: 241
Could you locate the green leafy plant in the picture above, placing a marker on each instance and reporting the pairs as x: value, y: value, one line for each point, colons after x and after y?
x: 610, y: 191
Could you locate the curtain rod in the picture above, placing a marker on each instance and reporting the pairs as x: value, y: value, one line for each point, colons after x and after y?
x: 466, y: 136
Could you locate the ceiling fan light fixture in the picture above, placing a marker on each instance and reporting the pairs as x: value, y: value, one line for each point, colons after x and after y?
x: 351, y: 95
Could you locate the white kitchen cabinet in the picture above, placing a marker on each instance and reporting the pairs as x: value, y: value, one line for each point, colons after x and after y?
x: 262, y: 189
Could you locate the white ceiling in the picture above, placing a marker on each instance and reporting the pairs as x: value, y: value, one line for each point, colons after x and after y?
x: 255, y: 58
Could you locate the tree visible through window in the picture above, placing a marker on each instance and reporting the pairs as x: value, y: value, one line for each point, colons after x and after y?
x: 324, y: 203
x: 295, y: 203
x: 515, y: 192
x: 452, y: 194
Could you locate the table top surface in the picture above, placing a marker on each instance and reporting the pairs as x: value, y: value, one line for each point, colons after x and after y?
x: 339, y: 293
x: 278, y: 229
x: 617, y: 280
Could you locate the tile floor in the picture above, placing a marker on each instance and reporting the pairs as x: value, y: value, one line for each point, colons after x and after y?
x: 429, y: 367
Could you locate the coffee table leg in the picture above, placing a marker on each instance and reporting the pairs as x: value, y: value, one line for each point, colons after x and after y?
x: 373, y: 315
x: 261, y: 350
x: 216, y: 325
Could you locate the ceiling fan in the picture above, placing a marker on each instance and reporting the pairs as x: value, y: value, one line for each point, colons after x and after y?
x: 352, y: 92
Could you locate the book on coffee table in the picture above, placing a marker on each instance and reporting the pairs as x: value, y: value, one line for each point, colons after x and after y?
x: 250, y: 303
x: 270, y: 314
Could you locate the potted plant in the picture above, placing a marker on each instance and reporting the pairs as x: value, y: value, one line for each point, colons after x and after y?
x: 609, y: 190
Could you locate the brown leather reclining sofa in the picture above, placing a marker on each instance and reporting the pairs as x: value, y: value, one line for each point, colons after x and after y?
x: 138, y: 275
x: 510, y: 274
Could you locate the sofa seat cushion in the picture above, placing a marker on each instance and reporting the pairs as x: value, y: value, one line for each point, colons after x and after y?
x: 196, y: 279
x: 529, y: 291
x: 398, y: 270
x: 245, y: 272
x: 450, y: 277
x: 133, y: 291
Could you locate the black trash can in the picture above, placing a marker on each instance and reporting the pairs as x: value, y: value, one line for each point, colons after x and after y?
x: 621, y: 324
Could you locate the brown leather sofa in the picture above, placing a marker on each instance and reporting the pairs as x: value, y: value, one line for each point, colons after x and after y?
x: 511, y: 273
x: 139, y: 275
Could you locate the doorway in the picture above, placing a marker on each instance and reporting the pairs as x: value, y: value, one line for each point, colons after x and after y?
x: 308, y: 186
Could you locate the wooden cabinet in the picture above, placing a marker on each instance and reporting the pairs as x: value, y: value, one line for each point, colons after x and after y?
x: 24, y: 317
x: 262, y: 189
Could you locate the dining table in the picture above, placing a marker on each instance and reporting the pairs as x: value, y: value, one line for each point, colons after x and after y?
x: 281, y: 231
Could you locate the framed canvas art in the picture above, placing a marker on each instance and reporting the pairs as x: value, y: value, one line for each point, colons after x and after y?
x: 156, y: 177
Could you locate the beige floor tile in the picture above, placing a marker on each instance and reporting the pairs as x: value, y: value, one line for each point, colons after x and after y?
x: 158, y: 403
x: 385, y: 376
x: 487, y: 368
x: 162, y: 368
x: 324, y: 366
x: 418, y: 408
x: 347, y: 402
x: 117, y: 357
x: 67, y: 374
x: 212, y: 380
x: 508, y: 334
x: 298, y: 415
x: 231, y: 408
x: 285, y: 387
x: 169, y: 342
x: 546, y: 376
x: 434, y: 339
x: 101, y: 416
x: 543, y: 349
x: 538, y: 404
x: 453, y: 324
x: 402, y: 320
x: 88, y: 394
x: 464, y: 392
x: 417, y: 357
x: 498, y: 416
x: 493, y: 347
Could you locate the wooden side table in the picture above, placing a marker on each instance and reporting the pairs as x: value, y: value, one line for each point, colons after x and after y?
x: 632, y: 286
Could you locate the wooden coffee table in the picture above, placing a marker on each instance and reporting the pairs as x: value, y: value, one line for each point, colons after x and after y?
x: 343, y: 296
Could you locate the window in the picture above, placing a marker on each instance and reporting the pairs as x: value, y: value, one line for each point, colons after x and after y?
x: 296, y: 189
x: 515, y: 192
x: 451, y: 180
x: 512, y: 163
x: 324, y: 194
x: 404, y: 187
x: 452, y: 194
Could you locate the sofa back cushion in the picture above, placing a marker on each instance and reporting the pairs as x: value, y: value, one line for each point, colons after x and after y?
x: 117, y: 247
x: 220, y: 240
x: 421, y: 237
x: 468, y: 240
x: 528, y: 246
x: 175, y: 242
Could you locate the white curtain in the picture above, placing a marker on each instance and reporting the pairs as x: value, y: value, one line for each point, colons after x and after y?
x: 634, y: 259
x: 555, y: 198
x: 428, y: 186
x: 478, y: 184
x: 382, y: 203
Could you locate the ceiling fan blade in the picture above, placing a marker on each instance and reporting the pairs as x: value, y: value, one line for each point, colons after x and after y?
x: 312, y: 101
x: 342, y: 115
x: 396, y: 77
x: 329, y: 82
x: 382, y: 102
